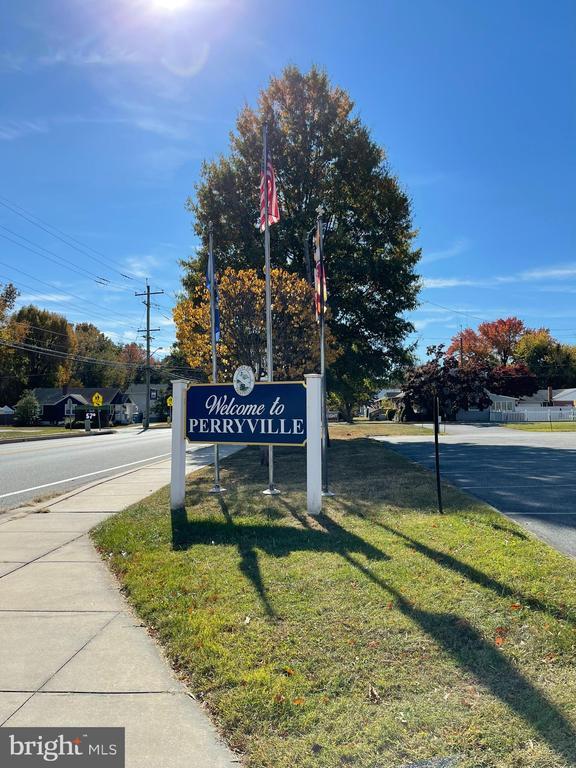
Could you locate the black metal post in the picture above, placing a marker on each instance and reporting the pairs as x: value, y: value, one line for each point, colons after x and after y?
x: 437, y: 454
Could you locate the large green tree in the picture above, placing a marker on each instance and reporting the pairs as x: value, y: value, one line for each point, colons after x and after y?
x: 49, y: 365
x: 92, y: 343
x: 553, y: 363
x: 11, y: 382
x: 322, y: 153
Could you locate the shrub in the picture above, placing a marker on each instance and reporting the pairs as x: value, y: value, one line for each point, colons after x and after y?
x: 27, y: 409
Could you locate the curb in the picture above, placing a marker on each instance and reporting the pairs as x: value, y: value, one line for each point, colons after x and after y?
x: 9, y: 441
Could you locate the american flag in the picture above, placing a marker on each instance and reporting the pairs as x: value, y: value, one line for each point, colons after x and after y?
x: 270, y: 187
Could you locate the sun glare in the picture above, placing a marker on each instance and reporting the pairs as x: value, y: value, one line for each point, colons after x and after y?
x: 169, y: 6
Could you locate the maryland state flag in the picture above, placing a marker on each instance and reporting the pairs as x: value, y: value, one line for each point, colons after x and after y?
x: 320, y: 294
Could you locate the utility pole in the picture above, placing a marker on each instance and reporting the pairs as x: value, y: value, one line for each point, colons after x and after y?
x: 148, y: 331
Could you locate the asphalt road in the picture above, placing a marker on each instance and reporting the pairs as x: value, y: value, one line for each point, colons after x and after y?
x: 529, y: 476
x: 34, y: 470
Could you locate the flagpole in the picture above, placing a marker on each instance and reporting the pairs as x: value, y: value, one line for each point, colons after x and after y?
x: 216, y: 488
x: 271, y: 490
x: 325, y: 489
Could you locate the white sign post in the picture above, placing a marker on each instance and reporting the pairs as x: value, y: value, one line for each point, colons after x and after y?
x: 313, y: 443
x: 178, y: 466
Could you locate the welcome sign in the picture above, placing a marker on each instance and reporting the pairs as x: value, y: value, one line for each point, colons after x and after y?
x: 273, y: 413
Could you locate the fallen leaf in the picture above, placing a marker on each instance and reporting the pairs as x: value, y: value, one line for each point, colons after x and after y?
x: 389, y: 606
x: 374, y: 644
x: 516, y: 606
x: 288, y: 671
x: 299, y: 700
x: 279, y: 698
x: 499, y: 640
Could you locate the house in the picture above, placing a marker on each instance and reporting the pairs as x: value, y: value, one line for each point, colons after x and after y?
x: 158, y: 392
x: 57, y: 403
x: 6, y: 415
x: 499, y: 404
x: 546, y: 398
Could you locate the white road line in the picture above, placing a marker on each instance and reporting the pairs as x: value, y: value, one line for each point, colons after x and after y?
x: 80, y: 477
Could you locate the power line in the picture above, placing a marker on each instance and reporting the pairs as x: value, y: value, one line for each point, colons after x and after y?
x: 69, y: 305
x: 71, y: 241
x: 53, y: 231
x: 61, y: 290
x: 61, y: 261
x: 45, y: 351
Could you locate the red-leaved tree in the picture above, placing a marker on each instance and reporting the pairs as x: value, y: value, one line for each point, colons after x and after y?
x: 514, y: 380
x: 492, y: 344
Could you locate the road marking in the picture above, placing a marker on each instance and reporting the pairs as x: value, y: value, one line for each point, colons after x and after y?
x: 80, y: 477
x: 27, y: 449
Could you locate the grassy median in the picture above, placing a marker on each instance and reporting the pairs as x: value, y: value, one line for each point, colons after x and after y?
x: 377, y: 635
x: 365, y: 428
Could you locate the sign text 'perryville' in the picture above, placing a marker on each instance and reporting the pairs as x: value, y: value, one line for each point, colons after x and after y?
x: 273, y: 414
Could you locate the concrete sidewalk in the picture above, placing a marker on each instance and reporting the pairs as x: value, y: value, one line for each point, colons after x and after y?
x: 73, y: 654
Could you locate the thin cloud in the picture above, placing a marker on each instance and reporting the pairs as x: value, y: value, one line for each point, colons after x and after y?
x: 528, y: 276
x: 448, y: 282
x: 29, y: 298
x: 421, y: 323
x: 16, y: 129
x: 459, y: 247
x: 141, y: 266
x: 555, y: 273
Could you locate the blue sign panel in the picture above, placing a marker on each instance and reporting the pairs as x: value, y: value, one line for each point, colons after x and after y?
x: 272, y: 414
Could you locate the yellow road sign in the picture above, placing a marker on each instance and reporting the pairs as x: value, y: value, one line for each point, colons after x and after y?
x: 169, y: 401
x: 97, y: 399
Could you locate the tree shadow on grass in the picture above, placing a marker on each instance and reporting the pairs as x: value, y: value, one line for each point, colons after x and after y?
x: 276, y: 541
x: 473, y: 574
x: 479, y: 577
x: 490, y: 668
x: 452, y: 633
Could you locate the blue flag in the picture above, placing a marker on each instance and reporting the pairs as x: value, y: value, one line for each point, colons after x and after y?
x: 216, y: 310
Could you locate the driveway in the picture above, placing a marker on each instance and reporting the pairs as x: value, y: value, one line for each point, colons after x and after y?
x: 529, y: 476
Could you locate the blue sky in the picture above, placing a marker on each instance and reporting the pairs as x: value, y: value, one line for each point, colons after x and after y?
x: 110, y: 106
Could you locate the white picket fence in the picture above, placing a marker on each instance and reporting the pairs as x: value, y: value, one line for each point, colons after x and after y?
x: 534, y: 414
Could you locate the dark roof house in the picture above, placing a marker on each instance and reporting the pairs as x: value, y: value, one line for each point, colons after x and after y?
x: 58, y: 402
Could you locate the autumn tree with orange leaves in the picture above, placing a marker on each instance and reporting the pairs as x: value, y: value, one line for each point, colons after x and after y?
x: 494, y: 342
x: 242, y: 325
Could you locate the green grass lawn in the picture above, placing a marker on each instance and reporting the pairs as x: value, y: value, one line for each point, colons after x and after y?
x: 365, y: 428
x: 375, y: 635
x: 17, y: 433
x: 543, y: 426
